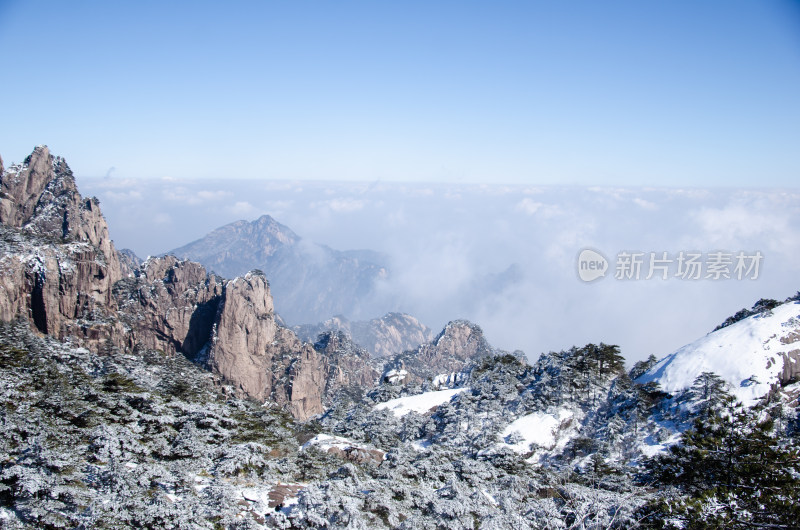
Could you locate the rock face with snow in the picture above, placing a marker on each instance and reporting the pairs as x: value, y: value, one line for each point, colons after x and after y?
x: 456, y: 346
x: 388, y: 335
x: 40, y: 196
x: 754, y: 355
x: 58, y: 265
x: 311, y: 282
x: 129, y: 261
x: 347, y: 365
x: 229, y: 326
x: 170, y: 305
x: 345, y: 449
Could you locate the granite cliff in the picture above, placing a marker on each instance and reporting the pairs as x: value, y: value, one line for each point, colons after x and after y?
x: 58, y: 264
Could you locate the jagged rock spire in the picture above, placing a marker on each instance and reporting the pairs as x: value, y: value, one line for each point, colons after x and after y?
x: 70, y: 274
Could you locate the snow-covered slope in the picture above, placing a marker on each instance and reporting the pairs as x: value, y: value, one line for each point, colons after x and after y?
x: 540, y: 429
x: 751, y: 355
x: 420, y: 403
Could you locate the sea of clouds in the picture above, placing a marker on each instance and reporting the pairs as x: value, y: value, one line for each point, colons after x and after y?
x: 501, y: 256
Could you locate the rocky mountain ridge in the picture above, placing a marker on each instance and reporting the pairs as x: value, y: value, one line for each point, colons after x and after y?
x: 62, y: 272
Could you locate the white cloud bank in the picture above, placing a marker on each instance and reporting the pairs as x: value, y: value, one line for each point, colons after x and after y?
x: 504, y: 257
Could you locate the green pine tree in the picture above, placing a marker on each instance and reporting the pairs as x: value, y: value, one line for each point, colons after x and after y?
x: 732, y: 472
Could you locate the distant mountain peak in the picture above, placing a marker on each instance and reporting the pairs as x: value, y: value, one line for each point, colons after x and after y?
x: 310, y: 281
x: 388, y: 335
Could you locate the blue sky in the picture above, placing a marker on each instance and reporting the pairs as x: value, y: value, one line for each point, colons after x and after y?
x: 611, y: 93
x: 183, y: 116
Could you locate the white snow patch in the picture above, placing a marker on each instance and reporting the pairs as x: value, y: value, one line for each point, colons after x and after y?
x: 746, y: 354
x: 650, y: 451
x: 324, y: 442
x: 421, y: 403
x: 289, y: 501
x: 201, y: 483
x: 421, y: 445
x: 540, y: 428
x: 256, y: 495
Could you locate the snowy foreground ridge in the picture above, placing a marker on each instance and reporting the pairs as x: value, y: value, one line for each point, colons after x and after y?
x: 750, y: 355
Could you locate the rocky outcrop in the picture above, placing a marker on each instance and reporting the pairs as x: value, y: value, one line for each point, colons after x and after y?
x: 389, y: 335
x: 22, y: 186
x: 260, y: 359
x: 59, y: 269
x: 791, y: 359
x: 455, y: 347
x: 129, y: 262
x: 41, y: 197
x: 58, y: 264
x: 245, y: 331
x: 227, y: 325
x: 791, y: 368
x: 170, y: 305
x: 347, y: 365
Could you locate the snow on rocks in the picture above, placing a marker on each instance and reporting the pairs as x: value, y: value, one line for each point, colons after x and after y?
x: 420, y: 403
x: 751, y: 355
x: 395, y: 376
x: 450, y: 380
x: 345, y: 448
x: 201, y: 483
